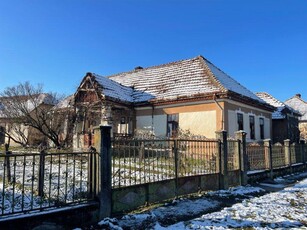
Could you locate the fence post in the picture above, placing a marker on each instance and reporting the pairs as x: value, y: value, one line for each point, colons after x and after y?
x: 176, y: 165
x: 302, y: 150
x: 105, y: 186
x: 268, y: 157
x: 41, y: 173
x: 242, y: 156
x: 92, y: 174
x: 223, y: 158
x: 8, y: 163
x: 288, y: 154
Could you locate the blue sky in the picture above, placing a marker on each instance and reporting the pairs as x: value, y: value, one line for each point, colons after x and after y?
x: 261, y: 44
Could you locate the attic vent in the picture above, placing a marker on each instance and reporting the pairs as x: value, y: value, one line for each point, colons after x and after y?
x: 138, y: 68
x: 298, y: 95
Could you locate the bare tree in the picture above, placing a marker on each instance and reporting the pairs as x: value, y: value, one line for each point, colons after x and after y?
x: 26, y: 105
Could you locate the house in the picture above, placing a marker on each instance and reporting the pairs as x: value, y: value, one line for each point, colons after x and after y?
x: 190, y: 95
x: 13, y: 128
x: 284, y: 120
x: 63, y: 120
x: 296, y: 102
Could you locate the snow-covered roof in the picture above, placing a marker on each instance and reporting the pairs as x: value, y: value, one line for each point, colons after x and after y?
x: 65, y: 103
x: 298, y: 104
x: 280, y: 106
x: 181, y: 78
x: 27, y: 102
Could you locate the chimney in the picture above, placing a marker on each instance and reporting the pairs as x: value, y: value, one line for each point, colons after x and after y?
x: 298, y: 95
x: 138, y: 68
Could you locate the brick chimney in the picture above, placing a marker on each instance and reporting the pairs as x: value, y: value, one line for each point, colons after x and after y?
x: 298, y: 95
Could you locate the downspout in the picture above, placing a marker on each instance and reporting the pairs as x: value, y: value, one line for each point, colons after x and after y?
x: 222, y: 110
x: 152, y: 118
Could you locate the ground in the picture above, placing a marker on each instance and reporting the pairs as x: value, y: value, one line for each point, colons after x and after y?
x: 278, y: 204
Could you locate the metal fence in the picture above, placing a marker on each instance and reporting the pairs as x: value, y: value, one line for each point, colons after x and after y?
x: 144, y: 161
x: 37, y: 181
x: 256, y: 157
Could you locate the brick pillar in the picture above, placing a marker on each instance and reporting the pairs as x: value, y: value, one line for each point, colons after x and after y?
x: 223, y: 158
x: 242, y: 156
x: 268, y: 157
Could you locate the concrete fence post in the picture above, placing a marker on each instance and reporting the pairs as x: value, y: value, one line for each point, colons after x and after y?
x: 242, y: 156
x: 223, y: 159
x: 288, y: 161
x: 105, y: 185
x: 268, y: 157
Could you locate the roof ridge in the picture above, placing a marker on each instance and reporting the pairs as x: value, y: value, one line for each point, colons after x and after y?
x: 154, y: 66
x: 211, y: 75
x: 272, y: 97
x: 295, y: 96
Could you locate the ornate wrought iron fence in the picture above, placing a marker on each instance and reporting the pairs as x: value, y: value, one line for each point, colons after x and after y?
x: 36, y: 181
x: 278, y: 156
x: 232, y: 161
x: 256, y: 157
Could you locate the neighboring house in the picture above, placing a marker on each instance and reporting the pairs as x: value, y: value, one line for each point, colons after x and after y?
x: 12, y: 129
x: 190, y: 95
x: 284, y: 120
x: 63, y: 120
x: 296, y: 102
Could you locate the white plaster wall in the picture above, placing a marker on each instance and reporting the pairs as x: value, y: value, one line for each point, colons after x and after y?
x: 199, y: 123
x: 232, y: 123
x: 233, y: 126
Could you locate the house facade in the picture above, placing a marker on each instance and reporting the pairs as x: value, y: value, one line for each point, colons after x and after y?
x: 285, y: 120
x: 296, y: 102
x: 13, y: 129
x: 188, y: 96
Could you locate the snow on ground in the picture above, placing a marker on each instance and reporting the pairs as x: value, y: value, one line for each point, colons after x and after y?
x: 283, y: 209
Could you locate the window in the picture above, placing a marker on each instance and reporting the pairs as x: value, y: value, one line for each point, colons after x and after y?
x: 252, y: 127
x: 261, y: 123
x: 240, y: 121
x: 172, y: 125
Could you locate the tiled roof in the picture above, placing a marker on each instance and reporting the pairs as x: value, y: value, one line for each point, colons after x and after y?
x: 280, y: 106
x: 298, y: 104
x: 185, y: 78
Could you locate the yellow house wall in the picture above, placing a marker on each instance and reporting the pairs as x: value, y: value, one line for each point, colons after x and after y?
x: 199, y: 123
x: 200, y: 119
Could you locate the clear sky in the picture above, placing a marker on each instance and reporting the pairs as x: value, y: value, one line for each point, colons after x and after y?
x: 261, y: 43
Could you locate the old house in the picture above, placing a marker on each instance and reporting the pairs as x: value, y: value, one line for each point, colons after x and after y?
x: 189, y: 95
x: 284, y: 120
x: 13, y: 127
x: 296, y: 102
